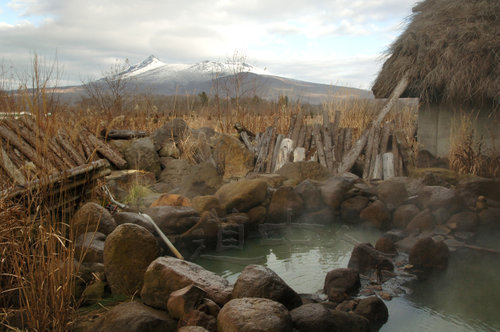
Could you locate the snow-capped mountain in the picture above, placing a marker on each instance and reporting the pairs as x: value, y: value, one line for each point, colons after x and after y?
x: 154, y: 69
x: 157, y: 77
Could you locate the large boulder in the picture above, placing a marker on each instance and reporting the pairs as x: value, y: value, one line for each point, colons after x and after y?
x: 471, y: 188
x: 365, y: 258
x: 341, y: 283
x: 334, y: 189
x: 173, y: 173
x: 167, y: 274
x: 173, y: 219
x: 254, y: 314
x: 392, y: 193
x: 285, y: 203
x: 422, y: 221
x: 238, y: 161
x: 427, y: 254
x: 465, y: 221
x: 311, y: 195
x: 435, y: 197
x: 376, y: 214
x: 242, y: 195
x: 128, y: 250
x: 134, y: 317
x: 89, y: 247
x: 404, y: 214
x: 172, y: 132
x: 299, y: 171
x: 207, y: 203
x: 92, y: 217
x: 374, y: 309
x: 260, y: 281
x: 315, y: 317
x: 141, y: 154
x: 202, y: 179
x: 133, y: 218
x: 351, y: 208
x: 312, y: 317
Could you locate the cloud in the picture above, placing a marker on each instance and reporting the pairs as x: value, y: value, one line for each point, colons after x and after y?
x: 312, y: 38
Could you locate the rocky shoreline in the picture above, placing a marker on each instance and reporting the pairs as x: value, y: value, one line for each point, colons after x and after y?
x: 425, y: 219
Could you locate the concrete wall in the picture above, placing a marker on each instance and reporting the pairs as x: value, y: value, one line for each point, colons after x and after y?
x: 435, y: 122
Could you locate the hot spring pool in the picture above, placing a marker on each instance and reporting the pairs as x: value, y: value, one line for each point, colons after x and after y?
x: 464, y: 298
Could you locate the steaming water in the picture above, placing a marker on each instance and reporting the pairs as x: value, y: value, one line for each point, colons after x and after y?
x: 464, y: 298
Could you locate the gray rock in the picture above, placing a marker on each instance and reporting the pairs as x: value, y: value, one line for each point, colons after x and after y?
x: 141, y: 154
x: 334, y: 189
x: 365, y: 258
x: 173, y: 219
x: 341, y: 283
x: 92, y: 217
x: 90, y: 247
x: 134, y: 317
x: 128, y: 250
x: 392, y: 193
x: 167, y: 274
x: 254, y: 314
x: 260, y: 281
x: 242, y: 195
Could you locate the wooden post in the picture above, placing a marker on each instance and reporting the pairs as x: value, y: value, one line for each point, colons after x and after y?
x: 262, y: 154
x: 277, y: 146
x: 296, y: 131
x: 319, y: 145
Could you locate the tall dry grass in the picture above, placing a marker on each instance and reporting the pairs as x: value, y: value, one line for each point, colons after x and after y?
x: 37, y: 269
x: 468, y: 154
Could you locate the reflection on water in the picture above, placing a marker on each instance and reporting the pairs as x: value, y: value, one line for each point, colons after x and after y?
x: 464, y: 298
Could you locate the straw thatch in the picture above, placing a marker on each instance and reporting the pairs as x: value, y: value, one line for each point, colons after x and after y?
x: 451, y: 50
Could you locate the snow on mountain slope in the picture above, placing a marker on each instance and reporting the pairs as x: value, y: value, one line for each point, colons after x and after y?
x: 154, y: 69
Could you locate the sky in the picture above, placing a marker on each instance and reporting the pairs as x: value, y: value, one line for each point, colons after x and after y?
x: 339, y: 42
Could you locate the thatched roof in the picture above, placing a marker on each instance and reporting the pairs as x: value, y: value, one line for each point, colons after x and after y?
x: 451, y: 49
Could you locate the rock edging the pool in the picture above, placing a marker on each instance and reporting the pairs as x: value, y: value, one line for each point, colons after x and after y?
x: 424, y: 222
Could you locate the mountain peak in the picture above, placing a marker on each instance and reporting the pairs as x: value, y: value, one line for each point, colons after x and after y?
x: 151, y: 62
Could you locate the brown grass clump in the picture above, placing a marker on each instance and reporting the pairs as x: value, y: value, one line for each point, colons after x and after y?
x: 451, y: 50
x: 37, y: 272
x: 467, y: 155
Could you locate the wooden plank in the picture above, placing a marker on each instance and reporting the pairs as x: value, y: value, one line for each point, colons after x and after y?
x: 388, y: 165
x: 264, y: 148
x: 347, y: 139
x: 302, y: 136
x: 396, y: 156
x: 319, y: 144
x: 293, y: 119
x: 375, y: 152
x: 377, y: 167
x: 277, y: 145
x: 123, y: 134
x: 10, y: 168
x: 386, y: 132
x: 327, y: 142
x: 106, y: 151
x: 284, y: 153
x: 270, y: 154
x: 307, y: 139
x: 64, y: 140
x: 296, y: 131
x: 368, y: 154
x: 64, y: 160
x: 25, y: 148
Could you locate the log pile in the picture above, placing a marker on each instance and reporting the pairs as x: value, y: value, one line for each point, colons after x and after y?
x: 378, y: 148
x: 27, y: 152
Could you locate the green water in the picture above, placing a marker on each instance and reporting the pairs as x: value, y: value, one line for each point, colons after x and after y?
x: 464, y: 298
